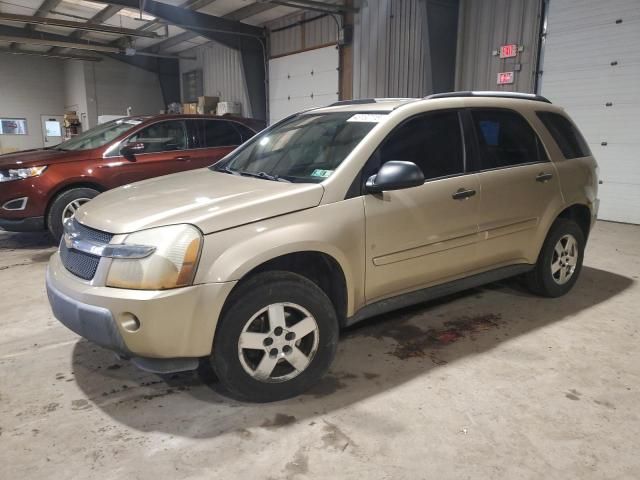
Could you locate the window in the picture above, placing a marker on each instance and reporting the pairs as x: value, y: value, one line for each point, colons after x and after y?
x: 569, y: 139
x: 432, y: 141
x: 306, y: 148
x: 245, y: 132
x: 218, y: 133
x: 162, y: 137
x: 505, y: 139
x: 13, y: 126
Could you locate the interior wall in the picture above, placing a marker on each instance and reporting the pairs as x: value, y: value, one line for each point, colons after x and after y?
x: 29, y: 87
x: 486, y: 25
x: 112, y: 86
x: 222, y: 73
x: 75, y: 91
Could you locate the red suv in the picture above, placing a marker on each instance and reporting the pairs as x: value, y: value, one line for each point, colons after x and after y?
x: 40, y: 189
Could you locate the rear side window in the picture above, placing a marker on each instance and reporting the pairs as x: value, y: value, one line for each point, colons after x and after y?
x: 570, y: 141
x: 505, y: 139
x: 432, y: 141
x: 220, y: 133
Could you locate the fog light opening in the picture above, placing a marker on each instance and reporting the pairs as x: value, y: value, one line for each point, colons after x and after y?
x: 129, y: 322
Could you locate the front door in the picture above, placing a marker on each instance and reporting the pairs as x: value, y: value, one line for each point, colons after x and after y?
x: 166, y: 150
x: 520, y: 188
x: 52, y: 129
x: 427, y: 234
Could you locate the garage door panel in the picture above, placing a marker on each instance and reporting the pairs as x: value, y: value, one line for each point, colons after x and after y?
x: 591, y: 61
x: 301, y: 81
x: 622, y: 202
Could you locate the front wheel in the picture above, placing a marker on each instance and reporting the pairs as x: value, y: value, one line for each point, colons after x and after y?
x: 560, y: 260
x: 276, y: 338
x: 64, y: 206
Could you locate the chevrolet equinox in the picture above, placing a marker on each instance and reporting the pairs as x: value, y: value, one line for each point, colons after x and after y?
x: 328, y: 217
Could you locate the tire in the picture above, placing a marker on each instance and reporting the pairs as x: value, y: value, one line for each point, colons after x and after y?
x: 555, y: 274
x: 61, y: 202
x: 239, y: 369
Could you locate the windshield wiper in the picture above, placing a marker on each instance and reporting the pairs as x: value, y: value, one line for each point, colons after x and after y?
x: 266, y: 176
x: 225, y: 170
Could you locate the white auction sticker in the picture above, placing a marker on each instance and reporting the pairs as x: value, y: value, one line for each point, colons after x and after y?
x: 367, y: 117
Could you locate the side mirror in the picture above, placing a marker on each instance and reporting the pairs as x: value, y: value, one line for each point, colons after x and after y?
x: 395, y: 175
x: 129, y: 150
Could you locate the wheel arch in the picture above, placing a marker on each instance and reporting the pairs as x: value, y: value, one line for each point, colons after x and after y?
x: 66, y: 187
x: 579, y: 213
x: 320, y: 267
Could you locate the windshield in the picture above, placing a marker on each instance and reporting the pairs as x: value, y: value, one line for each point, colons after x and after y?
x: 305, y: 149
x: 100, y: 135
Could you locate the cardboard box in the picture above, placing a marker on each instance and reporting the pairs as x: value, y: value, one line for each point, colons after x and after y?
x: 189, y: 108
x: 229, y: 108
x: 207, y: 104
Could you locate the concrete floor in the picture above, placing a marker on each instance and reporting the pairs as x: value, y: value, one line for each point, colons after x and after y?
x: 492, y: 383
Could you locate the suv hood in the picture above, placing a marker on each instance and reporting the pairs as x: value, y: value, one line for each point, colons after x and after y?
x: 210, y: 200
x: 35, y: 158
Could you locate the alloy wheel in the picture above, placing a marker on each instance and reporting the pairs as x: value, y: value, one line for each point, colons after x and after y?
x: 278, y: 342
x: 564, y: 259
x: 70, y: 210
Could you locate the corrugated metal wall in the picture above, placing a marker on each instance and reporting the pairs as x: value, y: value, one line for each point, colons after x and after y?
x: 391, y: 49
x: 222, y: 72
x: 311, y: 34
x: 486, y: 25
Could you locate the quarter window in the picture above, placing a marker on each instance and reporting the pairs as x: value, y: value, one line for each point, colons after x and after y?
x: 162, y: 137
x: 569, y: 139
x: 505, y: 139
x: 432, y: 141
x: 220, y: 133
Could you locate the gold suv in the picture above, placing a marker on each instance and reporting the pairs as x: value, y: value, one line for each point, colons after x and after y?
x: 330, y: 216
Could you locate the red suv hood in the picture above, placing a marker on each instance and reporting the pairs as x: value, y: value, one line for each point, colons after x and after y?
x: 34, y: 158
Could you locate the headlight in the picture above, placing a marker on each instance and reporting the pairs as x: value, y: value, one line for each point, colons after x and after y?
x: 172, y: 264
x: 20, y: 173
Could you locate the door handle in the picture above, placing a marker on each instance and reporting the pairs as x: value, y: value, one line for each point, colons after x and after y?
x: 462, y: 194
x: 544, y: 177
x: 182, y: 159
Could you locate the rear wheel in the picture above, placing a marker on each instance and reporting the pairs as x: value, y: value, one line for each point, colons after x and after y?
x: 276, y: 338
x: 64, y: 206
x: 560, y: 260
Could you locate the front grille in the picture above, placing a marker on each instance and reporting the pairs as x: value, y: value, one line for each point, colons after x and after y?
x: 83, y: 265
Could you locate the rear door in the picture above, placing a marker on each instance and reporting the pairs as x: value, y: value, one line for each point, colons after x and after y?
x: 426, y: 234
x: 519, y: 186
x: 216, y: 139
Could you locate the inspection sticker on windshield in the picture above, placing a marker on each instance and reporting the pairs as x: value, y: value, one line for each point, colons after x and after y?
x: 321, y: 173
x: 367, y: 117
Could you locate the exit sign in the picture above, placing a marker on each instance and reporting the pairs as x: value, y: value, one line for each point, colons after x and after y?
x: 508, y: 51
x: 505, y: 78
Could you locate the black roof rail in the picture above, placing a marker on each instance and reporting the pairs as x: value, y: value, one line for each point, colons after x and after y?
x: 469, y: 93
x: 362, y: 101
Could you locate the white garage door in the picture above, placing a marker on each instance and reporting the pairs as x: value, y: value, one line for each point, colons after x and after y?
x: 302, y: 80
x: 592, y: 68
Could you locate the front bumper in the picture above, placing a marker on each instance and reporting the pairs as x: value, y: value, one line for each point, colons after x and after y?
x: 174, y: 325
x: 30, y: 224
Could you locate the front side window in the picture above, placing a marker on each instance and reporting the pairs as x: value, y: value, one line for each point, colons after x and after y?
x: 100, y: 135
x: 570, y: 141
x: 220, y: 133
x: 432, y: 141
x: 162, y: 137
x: 306, y: 148
x: 505, y: 139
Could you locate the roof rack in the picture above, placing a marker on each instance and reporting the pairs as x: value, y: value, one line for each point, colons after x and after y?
x: 361, y: 101
x: 518, y: 95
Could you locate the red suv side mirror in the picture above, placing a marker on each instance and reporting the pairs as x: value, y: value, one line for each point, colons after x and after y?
x: 129, y: 150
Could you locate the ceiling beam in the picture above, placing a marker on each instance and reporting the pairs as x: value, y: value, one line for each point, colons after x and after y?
x: 249, y: 10
x: 315, y: 6
x: 88, y: 26
x: 39, y: 40
x: 64, y: 56
x: 214, y: 28
x: 172, y: 41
